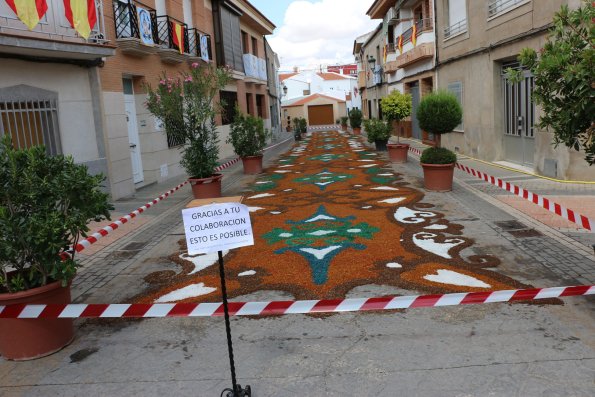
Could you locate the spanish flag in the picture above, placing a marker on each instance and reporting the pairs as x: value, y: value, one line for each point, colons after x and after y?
x: 384, y: 54
x: 177, y: 36
x: 414, y: 35
x: 28, y: 11
x: 81, y: 15
x: 400, y: 45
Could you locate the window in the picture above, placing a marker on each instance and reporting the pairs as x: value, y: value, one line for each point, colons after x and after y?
x: 30, y: 116
x: 245, y: 43
x: 249, y: 106
x: 260, y: 106
x: 254, y: 47
x: 228, y: 37
x: 457, y: 89
x: 229, y: 100
x: 456, y: 18
x: 497, y: 6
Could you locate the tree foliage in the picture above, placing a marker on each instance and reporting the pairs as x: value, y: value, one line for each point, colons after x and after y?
x: 248, y: 135
x: 377, y: 130
x: 187, y: 107
x: 355, y: 118
x: 396, y: 106
x: 46, y: 203
x: 564, y: 79
x: 439, y: 112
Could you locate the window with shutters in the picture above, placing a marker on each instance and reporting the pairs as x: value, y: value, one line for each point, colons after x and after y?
x: 228, y: 36
x: 30, y: 116
x: 457, y: 89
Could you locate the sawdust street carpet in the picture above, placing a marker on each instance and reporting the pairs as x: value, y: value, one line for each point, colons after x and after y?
x: 330, y: 216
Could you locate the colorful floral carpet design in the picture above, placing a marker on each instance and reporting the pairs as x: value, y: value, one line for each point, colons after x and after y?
x: 330, y: 216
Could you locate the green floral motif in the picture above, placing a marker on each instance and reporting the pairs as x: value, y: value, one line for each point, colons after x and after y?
x: 287, y: 160
x: 327, y: 157
x: 328, y: 146
x: 381, y: 179
x: 267, y: 183
x: 319, y: 238
x: 323, y: 179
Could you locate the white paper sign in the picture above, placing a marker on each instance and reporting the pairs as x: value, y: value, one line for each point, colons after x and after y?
x: 217, y: 227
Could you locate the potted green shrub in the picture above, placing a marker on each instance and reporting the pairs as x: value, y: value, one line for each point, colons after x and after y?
x: 439, y: 113
x: 344, y: 122
x: 297, y: 131
x: 187, y: 107
x: 378, y: 132
x: 248, y: 138
x: 355, y: 120
x: 395, y: 107
x: 46, y: 203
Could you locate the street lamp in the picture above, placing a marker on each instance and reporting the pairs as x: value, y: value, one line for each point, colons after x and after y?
x: 284, y: 90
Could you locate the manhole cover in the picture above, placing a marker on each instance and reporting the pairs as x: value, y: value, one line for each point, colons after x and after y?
x: 134, y: 246
x: 525, y: 233
x: 510, y: 225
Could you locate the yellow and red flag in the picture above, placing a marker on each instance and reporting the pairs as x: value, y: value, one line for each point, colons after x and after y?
x: 82, y: 15
x: 400, y: 45
x: 177, y: 36
x: 29, y: 12
x: 384, y: 54
x: 414, y: 35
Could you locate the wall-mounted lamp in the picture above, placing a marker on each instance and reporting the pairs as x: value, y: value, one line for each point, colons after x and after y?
x: 284, y: 90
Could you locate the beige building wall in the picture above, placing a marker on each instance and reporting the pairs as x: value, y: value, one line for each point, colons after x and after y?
x: 339, y: 109
x: 78, y: 112
x: 475, y: 59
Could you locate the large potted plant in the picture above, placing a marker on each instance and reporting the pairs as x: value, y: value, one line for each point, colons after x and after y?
x: 355, y: 120
x: 300, y: 127
x: 395, y: 107
x: 46, y: 203
x: 248, y: 138
x: 187, y: 107
x: 439, y: 113
x: 378, y: 132
x: 344, y: 122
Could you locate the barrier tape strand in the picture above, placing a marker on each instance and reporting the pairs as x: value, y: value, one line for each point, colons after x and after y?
x: 157, y: 310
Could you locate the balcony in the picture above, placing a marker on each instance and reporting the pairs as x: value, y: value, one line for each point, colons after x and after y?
x: 53, y: 37
x: 455, y: 29
x: 496, y: 7
x: 255, y: 69
x: 132, y: 37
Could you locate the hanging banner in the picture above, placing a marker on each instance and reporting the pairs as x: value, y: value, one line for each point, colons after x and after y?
x: 204, y: 47
x: 145, y: 26
x: 414, y: 35
x: 400, y: 44
x: 82, y: 16
x: 177, y: 36
x: 29, y: 12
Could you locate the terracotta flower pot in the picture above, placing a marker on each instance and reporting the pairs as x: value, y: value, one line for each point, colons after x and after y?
x: 27, y: 339
x: 252, y: 164
x: 438, y: 177
x: 397, y: 152
x: 381, y: 145
x: 206, y: 187
x: 357, y: 131
x: 344, y: 127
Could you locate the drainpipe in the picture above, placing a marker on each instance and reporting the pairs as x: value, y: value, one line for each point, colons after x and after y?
x: 436, y: 59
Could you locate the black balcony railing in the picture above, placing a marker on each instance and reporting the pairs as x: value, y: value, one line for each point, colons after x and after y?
x: 421, y: 25
x: 195, y: 46
x: 127, y: 21
x: 165, y: 34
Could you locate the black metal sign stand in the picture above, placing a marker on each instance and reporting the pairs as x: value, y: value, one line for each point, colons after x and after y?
x: 237, y: 390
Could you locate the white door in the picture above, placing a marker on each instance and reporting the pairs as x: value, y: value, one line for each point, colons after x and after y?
x: 135, y: 154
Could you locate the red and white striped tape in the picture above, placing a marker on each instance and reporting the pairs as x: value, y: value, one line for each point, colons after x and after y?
x: 543, y: 202
x: 284, y: 307
x: 125, y: 219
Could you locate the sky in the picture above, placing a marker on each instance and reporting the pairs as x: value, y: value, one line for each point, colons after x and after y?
x: 311, y: 33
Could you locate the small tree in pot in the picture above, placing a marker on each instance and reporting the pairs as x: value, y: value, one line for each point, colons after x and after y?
x: 187, y: 107
x: 355, y: 120
x: 378, y: 132
x: 344, y: 122
x: 439, y: 113
x: 248, y: 138
x: 395, y: 107
x: 46, y: 203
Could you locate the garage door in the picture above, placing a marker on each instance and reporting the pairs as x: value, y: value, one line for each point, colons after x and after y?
x: 320, y: 115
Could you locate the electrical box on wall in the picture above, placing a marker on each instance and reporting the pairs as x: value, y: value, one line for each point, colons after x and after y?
x: 164, y: 170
